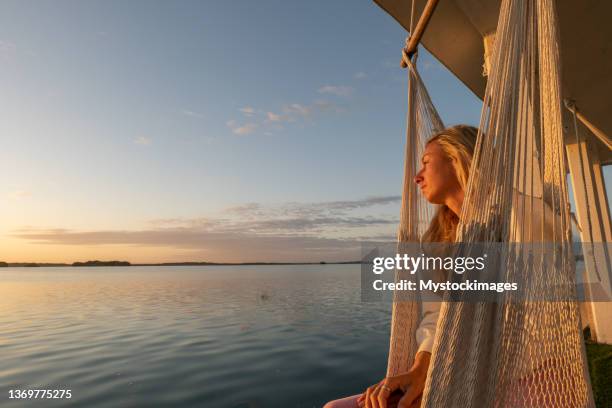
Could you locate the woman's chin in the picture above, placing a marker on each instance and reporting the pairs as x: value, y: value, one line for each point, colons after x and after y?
x: 432, y: 199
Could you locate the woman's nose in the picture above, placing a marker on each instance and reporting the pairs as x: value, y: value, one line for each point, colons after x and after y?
x: 418, y: 178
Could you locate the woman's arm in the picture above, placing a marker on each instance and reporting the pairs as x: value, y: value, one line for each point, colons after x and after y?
x: 426, y: 332
x: 412, y: 382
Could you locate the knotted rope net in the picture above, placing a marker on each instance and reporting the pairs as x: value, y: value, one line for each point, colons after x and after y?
x: 520, y: 350
x: 423, y: 122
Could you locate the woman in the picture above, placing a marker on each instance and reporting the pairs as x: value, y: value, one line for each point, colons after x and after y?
x: 443, y: 179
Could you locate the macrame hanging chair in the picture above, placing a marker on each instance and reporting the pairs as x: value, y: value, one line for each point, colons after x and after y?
x: 512, y: 352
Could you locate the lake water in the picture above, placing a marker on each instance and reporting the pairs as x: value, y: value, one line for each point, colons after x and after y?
x: 211, y: 336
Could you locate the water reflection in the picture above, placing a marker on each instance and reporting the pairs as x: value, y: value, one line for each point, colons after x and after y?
x: 222, y: 336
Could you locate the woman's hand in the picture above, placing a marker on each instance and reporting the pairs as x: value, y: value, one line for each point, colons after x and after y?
x: 411, y: 384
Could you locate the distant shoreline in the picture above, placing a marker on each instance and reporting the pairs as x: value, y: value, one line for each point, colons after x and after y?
x: 125, y: 263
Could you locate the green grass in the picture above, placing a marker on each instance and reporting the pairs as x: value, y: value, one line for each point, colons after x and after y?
x: 599, y: 357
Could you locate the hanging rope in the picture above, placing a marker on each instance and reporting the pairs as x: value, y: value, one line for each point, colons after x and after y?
x: 422, y: 122
x: 582, y: 144
x: 516, y: 352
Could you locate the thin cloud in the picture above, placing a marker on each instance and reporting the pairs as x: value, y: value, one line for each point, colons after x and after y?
x: 302, y: 210
x: 297, y: 109
x: 241, y: 129
x: 199, y: 222
x: 192, y: 113
x: 269, y: 122
x: 248, y: 111
x: 273, y: 117
x: 212, y: 246
x: 360, y: 75
x: 336, y: 90
x: 7, y: 49
x: 327, y: 106
x: 285, y: 232
x: 318, y: 224
x: 248, y: 208
x: 391, y: 64
x: 18, y: 194
x: 142, y: 140
x: 246, y: 129
x: 7, y: 46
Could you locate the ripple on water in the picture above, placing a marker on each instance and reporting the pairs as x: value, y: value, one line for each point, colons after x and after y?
x: 248, y: 336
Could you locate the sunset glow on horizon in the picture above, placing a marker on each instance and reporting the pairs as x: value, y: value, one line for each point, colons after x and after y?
x: 201, y: 131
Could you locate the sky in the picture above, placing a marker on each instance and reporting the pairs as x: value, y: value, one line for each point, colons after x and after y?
x: 222, y: 131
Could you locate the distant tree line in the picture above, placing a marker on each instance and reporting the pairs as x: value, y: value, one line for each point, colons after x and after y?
x: 101, y: 263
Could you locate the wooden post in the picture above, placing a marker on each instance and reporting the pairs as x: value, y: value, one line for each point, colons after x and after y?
x: 415, y: 37
x: 605, y: 139
x: 593, y: 216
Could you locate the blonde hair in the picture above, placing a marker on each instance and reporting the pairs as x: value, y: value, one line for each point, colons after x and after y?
x: 458, y: 143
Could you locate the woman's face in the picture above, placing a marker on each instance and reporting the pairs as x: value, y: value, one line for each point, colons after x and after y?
x: 437, y: 178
